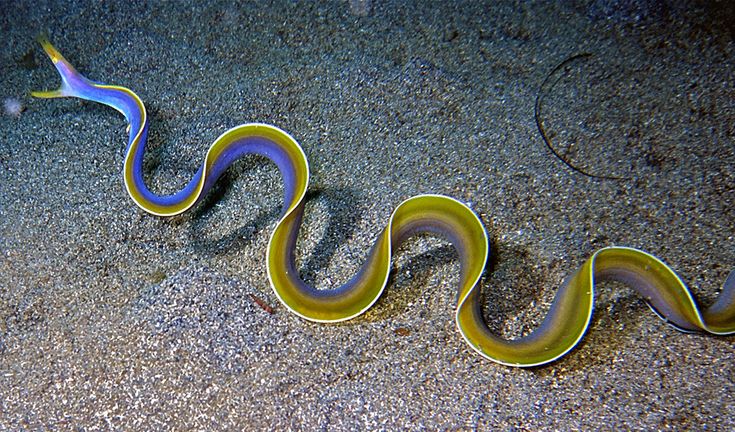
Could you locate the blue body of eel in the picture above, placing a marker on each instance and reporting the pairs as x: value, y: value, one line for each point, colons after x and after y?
x: 564, y: 325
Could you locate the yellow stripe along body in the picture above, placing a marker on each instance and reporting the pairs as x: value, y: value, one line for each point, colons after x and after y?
x: 561, y: 330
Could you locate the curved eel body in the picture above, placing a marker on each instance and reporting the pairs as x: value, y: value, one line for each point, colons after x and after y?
x: 569, y: 315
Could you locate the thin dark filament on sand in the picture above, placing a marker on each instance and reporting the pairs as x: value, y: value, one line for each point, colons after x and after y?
x: 540, y: 123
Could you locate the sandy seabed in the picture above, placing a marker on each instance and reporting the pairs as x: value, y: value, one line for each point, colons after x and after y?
x: 116, y: 320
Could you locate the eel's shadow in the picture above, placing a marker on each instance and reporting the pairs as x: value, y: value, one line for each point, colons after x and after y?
x: 407, y: 282
x: 340, y: 225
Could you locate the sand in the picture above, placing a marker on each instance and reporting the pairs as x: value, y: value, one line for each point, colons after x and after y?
x: 113, y: 319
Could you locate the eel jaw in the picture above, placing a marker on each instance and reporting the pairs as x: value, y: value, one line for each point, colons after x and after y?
x: 70, y: 78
